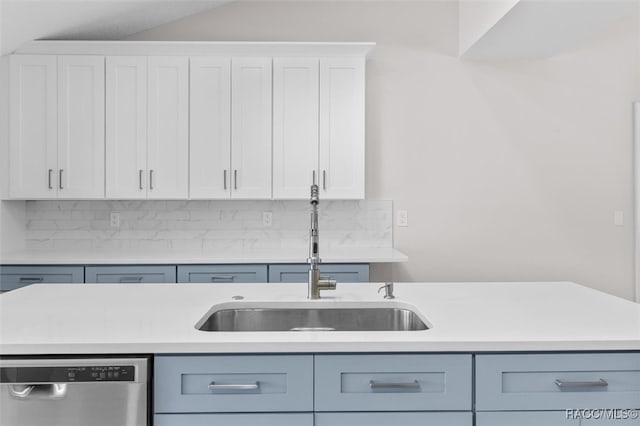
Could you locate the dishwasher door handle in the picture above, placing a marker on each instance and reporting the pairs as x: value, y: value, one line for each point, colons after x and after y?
x: 39, y: 391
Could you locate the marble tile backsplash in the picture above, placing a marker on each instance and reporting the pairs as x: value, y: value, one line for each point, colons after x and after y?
x: 204, y: 224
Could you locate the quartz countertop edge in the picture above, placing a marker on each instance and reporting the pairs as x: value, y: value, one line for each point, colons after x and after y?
x: 465, y: 317
x: 219, y: 256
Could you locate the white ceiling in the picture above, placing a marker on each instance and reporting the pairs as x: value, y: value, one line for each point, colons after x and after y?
x: 24, y: 20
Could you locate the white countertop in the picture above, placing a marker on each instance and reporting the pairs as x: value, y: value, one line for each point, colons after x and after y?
x: 148, y: 256
x: 465, y: 317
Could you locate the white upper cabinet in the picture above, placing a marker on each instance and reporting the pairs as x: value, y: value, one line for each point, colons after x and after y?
x: 342, y: 138
x: 147, y: 127
x: 138, y: 120
x: 57, y: 126
x: 126, y: 115
x: 168, y: 127
x: 295, y: 126
x: 251, y: 118
x: 210, y: 128
x: 81, y: 139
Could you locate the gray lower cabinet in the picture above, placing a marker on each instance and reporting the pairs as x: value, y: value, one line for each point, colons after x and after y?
x: 586, y: 389
x: 298, y: 273
x: 373, y: 390
x: 13, y: 277
x: 128, y: 274
x: 261, y: 419
x: 233, y: 273
x: 394, y: 419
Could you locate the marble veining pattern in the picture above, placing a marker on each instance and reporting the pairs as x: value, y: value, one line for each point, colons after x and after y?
x: 204, y: 224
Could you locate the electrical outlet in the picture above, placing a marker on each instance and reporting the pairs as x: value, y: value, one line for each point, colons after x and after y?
x: 267, y: 219
x: 402, y: 218
x: 114, y: 219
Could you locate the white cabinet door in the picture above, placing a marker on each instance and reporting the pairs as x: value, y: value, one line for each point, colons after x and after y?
x: 126, y: 127
x: 295, y: 126
x: 168, y: 127
x: 33, y: 126
x: 210, y: 128
x: 251, y: 128
x: 81, y: 126
x: 342, y: 103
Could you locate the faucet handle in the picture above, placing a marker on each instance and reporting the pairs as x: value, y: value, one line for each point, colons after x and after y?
x: 327, y: 283
x: 388, y: 290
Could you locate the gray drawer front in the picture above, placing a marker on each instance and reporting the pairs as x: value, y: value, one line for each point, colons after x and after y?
x: 557, y: 381
x: 394, y: 419
x: 222, y: 274
x: 130, y: 274
x: 281, y: 383
x: 525, y: 418
x: 298, y: 273
x: 400, y: 382
x: 13, y: 277
x: 289, y: 419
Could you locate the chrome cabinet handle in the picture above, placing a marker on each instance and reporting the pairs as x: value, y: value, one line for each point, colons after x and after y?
x: 151, y: 179
x: 140, y: 173
x: 31, y: 279
x: 60, y: 178
x: 50, y: 185
x: 324, y: 180
x: 313, y: 178
x: 407, y: 386
x: 601, y: 383
x: 130, y: 279
x: 224, y: 179
x: 234, y: 387
x: 222, y: 277
x: 235, y: 179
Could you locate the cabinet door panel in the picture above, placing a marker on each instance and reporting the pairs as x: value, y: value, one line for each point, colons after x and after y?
x: 394, y: 419
x: 33, y: 126
x: 251, y: 128
x: 342, y: 140
x: 126, y: 127
x: 295, y: 126
x: 299, y: 273
x: 130, y: 274
x: 288, y: 419
x: 222, y: 273
x: 525, y: 418
x: 13, y: 277
x: 81, y: 126
x: 168, y: 127
x: 210, y: 128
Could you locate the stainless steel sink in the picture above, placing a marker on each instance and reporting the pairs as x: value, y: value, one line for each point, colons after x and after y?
x: 315, y: 318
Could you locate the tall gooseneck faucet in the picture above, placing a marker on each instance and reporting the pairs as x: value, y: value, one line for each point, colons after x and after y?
x: 316, y: 283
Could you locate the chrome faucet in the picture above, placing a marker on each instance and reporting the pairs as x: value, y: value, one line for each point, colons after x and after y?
x: 316, y: 282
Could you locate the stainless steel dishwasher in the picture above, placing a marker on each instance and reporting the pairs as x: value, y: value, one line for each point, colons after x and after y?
x: 74, y: 391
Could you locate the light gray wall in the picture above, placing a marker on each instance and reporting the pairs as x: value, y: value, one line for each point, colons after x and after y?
x: 509, y: 170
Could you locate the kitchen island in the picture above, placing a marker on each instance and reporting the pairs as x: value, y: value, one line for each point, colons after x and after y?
x: 495, y: 354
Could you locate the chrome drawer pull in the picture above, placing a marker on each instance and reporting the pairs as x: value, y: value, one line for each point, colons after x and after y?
x: 31, y: 279
x: 50, y: 171
x: 581, y: 385
x: 413, y: 386
x: 238, y: 387
x: 125, y: 280
x: 222, y: 277
x: 60, y: 179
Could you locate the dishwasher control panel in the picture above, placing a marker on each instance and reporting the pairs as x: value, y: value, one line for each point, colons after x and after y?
x: 67, y: 374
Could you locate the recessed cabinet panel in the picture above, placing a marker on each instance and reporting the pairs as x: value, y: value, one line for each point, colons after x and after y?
x: 394, y: 419
x: 81, y: 139
x: 342, y: 88
x: 13, y: 277
x: 210, y: 128
x: 525, y: 418
x: 295, y: 126
x: 126, y: 132
x: 168, y: 127
x: 33, y: 126
x: 251, y: 128
x: 261, y: 419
